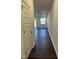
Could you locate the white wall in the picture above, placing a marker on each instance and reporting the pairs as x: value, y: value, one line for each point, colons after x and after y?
x: 52, y: 23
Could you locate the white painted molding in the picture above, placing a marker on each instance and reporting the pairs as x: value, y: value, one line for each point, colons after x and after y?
x: 53, y: 43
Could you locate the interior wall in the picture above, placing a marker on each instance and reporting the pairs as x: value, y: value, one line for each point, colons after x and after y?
x: 52, y: 24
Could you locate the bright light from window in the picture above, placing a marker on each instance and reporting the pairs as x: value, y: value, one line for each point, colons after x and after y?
x: 35, y: 22
x: 43, y: 20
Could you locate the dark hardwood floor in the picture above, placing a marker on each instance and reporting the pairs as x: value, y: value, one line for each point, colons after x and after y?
x: 43, y: 48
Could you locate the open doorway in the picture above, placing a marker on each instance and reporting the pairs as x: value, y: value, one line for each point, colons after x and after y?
x: 45, y: 32
x: 44, y: 20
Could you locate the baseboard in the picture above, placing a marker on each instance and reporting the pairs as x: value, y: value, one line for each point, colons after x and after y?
x: 53, y: 43
x: 54, y: 47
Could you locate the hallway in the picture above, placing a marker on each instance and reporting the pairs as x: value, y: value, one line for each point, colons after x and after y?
x: 43, y: 48
x: 37, y: 43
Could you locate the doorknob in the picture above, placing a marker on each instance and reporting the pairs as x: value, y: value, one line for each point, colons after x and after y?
x: 24, y: 32
x: 31, y: 32
x: 22, y: 7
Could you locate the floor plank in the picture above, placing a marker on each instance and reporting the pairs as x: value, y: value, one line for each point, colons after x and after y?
x: 43, y: 48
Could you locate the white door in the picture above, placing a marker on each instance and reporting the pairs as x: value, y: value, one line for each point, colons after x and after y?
x: 27, y: 27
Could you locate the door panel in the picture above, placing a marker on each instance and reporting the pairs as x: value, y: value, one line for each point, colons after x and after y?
x: 27, y: 16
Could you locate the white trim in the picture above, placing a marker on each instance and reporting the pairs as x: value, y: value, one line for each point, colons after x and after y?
x: 53, y: 43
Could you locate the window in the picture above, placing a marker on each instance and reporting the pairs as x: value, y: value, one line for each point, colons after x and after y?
x: 43, y: 20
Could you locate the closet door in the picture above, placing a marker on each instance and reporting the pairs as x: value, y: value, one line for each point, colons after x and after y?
x: 27, y: 26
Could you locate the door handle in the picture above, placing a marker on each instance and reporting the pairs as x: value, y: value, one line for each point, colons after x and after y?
x: 24, y: 32
x: 31, y: 32
x: 22, y: 7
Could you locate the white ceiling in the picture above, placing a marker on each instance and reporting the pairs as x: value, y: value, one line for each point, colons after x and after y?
x: 42, y: 7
